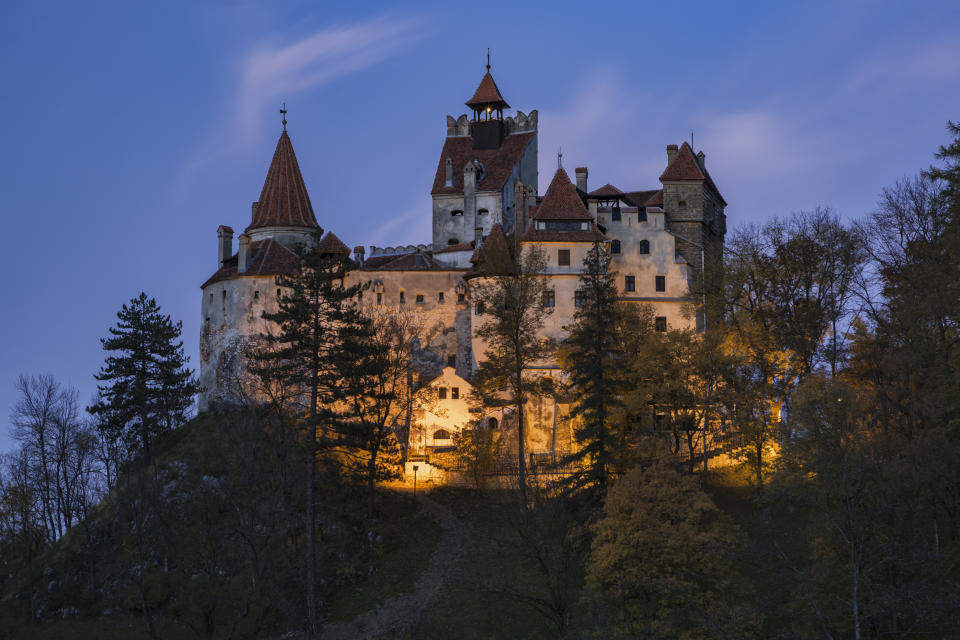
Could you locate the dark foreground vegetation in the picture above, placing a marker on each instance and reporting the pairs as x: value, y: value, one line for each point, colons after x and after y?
x: 829, y: 368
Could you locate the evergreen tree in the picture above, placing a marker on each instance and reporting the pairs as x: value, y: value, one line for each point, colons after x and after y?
x: 314, y: 312
x: 148, y: 388
x: 593, y: 358
x: 510, y: 300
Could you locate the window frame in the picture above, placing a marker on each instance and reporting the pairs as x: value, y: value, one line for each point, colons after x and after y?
x: 660, y: 283
x: 629, y: 283
x: 563, y: 257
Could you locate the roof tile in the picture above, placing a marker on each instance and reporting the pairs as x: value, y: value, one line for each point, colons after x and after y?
x: 487, y: 93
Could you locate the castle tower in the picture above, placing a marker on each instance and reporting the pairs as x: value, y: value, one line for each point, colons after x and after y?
x: 483, y: 161
x: 243, y: 286
x: 694, y: 211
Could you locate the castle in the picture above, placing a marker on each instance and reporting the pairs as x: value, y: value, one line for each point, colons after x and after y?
x: 660, y: 240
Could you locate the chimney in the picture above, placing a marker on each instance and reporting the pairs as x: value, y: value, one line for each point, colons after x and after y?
x: 224, y: 244
x: 358, y: 254
x: 448, y: 179
x: 253, y: 212
x: 671, y: 153
x: 581, y: 173
x: 702, y: 160
x: 469, y: 194
x: 243, y: 255
x: 477, y: 237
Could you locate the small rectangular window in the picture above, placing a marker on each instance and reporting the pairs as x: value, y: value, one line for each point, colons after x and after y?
x: 278, y: 293
x: 379, y: 298
x: 616, y: 213
x: 455, y: 393
x: 461, y: 298
x: 642, y: 215
x: 440, y: 297
x: 549, y: 298
x: 563, y: 257
x: 452, y: 360
x: 630, y: 283
x: 256, y: 294
x: 403, y: 298
x: 660, y: 323
x: 442, y: 393
x: 420, y: 298
x: 578, y: 298
x: 661, y: 282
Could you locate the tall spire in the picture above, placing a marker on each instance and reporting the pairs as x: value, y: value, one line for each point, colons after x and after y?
x: 284, y: 201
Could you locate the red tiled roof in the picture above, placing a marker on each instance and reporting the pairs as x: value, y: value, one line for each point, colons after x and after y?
x: 638, y: 198
x: 330, y: 243
x: 463, y: 246
x: 405, y: 262
x: 487, y: 93
x: 495, y: 248
x: 284, y: 200
x: 264, y: 258
x: 497, y: 163
x: 656, y: 200
x: 606, y: 191
x: 562, y: 202
x: 593, y: 235
x: 686, y: 167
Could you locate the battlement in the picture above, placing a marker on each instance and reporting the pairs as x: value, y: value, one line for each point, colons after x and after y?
x: 521, y: 123
x: 398, y: 250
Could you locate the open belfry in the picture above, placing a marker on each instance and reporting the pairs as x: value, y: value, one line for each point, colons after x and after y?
x: 664, y: 242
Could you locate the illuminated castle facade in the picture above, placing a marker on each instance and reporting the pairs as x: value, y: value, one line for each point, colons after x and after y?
x: 484, y: 192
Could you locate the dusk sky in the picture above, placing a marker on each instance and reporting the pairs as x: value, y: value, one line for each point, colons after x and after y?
x: 132, y: 130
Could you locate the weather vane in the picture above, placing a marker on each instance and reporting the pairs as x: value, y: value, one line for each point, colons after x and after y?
x: 283, y: 112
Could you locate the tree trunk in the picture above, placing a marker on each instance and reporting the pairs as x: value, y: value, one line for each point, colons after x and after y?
x: 521, y: 453
x: 311, y: 569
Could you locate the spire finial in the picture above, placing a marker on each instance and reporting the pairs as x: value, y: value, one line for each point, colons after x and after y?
x: 560, y: 158
x: 488, y: 59
x: 283, y: 113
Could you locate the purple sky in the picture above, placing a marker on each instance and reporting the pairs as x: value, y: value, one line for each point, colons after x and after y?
x: 130, y: 131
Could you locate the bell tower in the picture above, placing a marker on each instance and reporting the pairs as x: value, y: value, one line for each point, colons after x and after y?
x: 487, y: 127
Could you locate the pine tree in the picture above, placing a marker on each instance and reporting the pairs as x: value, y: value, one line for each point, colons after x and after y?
x: 148, y: 388
x: 593, y: 360
x: 314, y: 312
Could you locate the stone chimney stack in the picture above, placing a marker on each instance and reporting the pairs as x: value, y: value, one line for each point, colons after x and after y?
x: 702, y: 160
x: 244, y: 255
x: 672, y: 150
x: 477, y: 237
x: 224, y: 244
x: 581, y: 173
x: 469, y: 196
x: 448, y: 178
x: 253, y: 211
x: 358, y: 254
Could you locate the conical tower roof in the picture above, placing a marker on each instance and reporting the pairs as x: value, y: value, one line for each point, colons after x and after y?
x: 284, y: 201
x: 562, y: 202
x: 487, y: 94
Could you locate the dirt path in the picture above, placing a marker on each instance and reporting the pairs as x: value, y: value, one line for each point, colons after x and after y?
x: 396, y: 615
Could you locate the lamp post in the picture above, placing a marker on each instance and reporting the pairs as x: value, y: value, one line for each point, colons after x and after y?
x: 415, y: 467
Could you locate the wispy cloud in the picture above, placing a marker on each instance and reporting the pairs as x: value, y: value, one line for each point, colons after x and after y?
x: 275, y: 69
x: 274, y: 72
x: 412, y: 226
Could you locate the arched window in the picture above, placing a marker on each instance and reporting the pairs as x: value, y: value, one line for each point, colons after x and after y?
x: 441, y: 434
x: 480, y: 308
x: 614, y: 246
x: 492, y: 423
x: 644, y: 247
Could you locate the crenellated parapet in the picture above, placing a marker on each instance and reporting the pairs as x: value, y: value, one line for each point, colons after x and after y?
x: 521, y: 123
